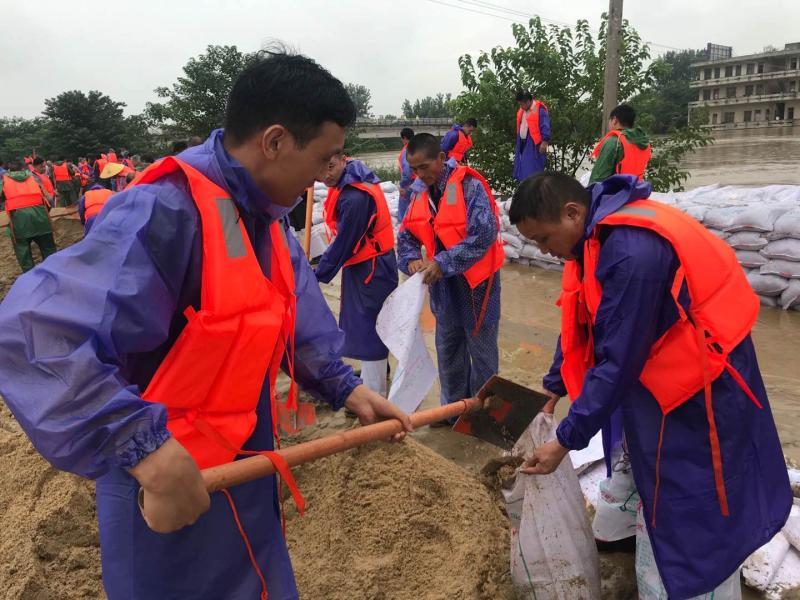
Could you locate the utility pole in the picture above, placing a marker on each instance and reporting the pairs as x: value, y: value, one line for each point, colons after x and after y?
x: 613, y: 43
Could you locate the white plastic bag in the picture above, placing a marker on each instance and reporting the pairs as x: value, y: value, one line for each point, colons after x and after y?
x: 553, y: 553
x: 762, y: 565
x: 617, y: 502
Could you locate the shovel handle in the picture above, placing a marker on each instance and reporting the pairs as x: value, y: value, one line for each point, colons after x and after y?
x: 255, y: 467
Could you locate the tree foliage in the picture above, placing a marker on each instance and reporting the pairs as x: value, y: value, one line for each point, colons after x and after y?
x: 563, y: 67
x: 361, y: 97
x: 438, y: 106
x: 195, y: 104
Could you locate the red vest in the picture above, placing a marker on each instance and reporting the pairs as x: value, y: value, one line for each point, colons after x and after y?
x: 634, y: 159
x: 534, y: 131
x: 379, y: 237
x: 694, y: 351
x: 212, y: 377
x: 112, y: 157
x: 450, y: 224
x: 100, y: 163
x: 61, y: 172
x: 24, y: 194
x: 463, y: 144
x: 93, y: 202
x: 45, y: 182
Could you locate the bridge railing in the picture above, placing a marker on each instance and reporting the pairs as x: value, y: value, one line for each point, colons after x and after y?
x: 365, y: 123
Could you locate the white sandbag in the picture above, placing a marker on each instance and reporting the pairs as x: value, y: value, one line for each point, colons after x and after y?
x: 553, y: 553
x: 792, y: 528
x: 723, y: 235
x: 590, y: 482
x: 767, y: 285
x: 786, y: 249
x: 547, y: 265
x: 747, y: 240
x: 510, y: 251
x: 319, y: 240
x: 506, y: 222
x: 788, y: 269
x: 617, y: 502
x: 787, y: 225
x: 722, y: 217
x: 760, y: 217
x: 790, y: 297
x: 522, y: 261
x: 532, y: 251
x: 750, y: 259
x: 698, y: 211
x: 388, y: 187
x: 648, y: 579
x: 318, y: 185
x: 761, y: 566
x: 768, y: 301
x: 511, y: 240
x: 786, y: 579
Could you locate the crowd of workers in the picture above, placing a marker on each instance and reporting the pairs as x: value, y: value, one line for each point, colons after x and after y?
x: 149, y: 350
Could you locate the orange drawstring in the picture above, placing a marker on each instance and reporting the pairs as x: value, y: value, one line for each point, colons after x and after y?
x: 658, y: 468
x: 247, y: 545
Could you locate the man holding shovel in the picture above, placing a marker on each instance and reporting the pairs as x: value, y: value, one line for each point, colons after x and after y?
x: 151, y: 347
x: 656, y: 321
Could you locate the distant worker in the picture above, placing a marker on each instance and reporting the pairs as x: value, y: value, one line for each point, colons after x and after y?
x: 111, y: 156
x: 63, y: 175
x: 42, y: 178
x: 179, y: 146
x: 118, y: 174
x: 454, y: 218
x: 406, y: 174
x: 91, y: 203
x: 625, y: 149
x: 533, y: 136
x: 362, y: 247
x: 100, y: 162
x: 27, y: 207
x: 458, y: 141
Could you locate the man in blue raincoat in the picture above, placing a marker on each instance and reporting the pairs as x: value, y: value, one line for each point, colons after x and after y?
x: 701, y: 528
x: 532, y: 136
x: 467, y: 319
x: 406, y: 174
x: 358, y: 216
x: 83, y: 334
x: 457, y: 142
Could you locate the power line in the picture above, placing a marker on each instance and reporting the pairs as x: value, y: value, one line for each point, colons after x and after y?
x: 473, y: 5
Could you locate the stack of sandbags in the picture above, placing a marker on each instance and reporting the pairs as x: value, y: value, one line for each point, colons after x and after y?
x: 775, y: 567
x: 519, y: 249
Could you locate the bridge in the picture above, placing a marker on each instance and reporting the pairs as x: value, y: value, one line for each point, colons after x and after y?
x: 389, y: 128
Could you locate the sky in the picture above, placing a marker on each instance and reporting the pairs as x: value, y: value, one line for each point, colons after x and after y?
x: 397, y: 48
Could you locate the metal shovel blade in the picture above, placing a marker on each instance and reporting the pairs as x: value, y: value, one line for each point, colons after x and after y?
x: 511, y: 409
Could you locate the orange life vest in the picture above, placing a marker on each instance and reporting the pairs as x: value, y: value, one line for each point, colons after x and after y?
x: 22, y: 194
x: 100, y: 163
x: 93, y: 202
x: 212, y: 377
x: 694, y: 351
x: 379, y: 237
x: 463, y: 144
x: 534, y: 131
x: 450, y: 224
x: 61, y: 172
x: 45, y: 182
x: 112, y: 157
x: 634, y: 159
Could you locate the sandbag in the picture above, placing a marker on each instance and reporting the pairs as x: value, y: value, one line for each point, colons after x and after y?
x: 723, y: 235
x: 510, y: 251
x: 767, y: 285
x: 512, y: 240
x: 758, y: 217
x: 617, y: 502
x: 553, y: 552
x: 786, y: 249
x: 787, y: 269
x: 722, y: 217
x: 750, y: 259
x: 532, y: 251
x: 697, y: 211
x: 790, y: 297
x: 787, y: 225
x: 787, y: 578
x: 761, y: 566
x: 747, y: 240
x: 768, y: 301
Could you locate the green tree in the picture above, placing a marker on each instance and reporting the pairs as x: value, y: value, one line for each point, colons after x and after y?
x: 20, y: 137
x: 564, y: 67
x: 361, y: 97
x: 438, y: 106
x: 195, y: 104
x: 77, y: 124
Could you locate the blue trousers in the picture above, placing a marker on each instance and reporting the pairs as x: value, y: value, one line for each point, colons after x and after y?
x: 465, y: 362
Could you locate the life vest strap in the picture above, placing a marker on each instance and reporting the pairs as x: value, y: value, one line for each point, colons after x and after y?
x: 484, y: 305
x: 248, y: 547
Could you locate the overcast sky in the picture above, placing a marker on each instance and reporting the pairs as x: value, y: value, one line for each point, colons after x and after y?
x: 397, y: 48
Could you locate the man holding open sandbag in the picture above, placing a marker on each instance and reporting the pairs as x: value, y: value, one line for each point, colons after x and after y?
x: 656, y: 321
x: 151, y: 347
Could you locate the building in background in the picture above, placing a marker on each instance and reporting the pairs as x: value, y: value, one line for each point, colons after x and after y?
x: 756, y: 90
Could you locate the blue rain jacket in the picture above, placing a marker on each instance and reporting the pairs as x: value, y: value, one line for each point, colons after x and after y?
x: 527, y: 158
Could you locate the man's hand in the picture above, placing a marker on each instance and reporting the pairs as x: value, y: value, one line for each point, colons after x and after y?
x: 550, y: 407
x: 543, y: 146
x: 545, y: 459
x: 432, y: 273
x: 371, y: 407
x: 173, y: 493
x: 415, y: 266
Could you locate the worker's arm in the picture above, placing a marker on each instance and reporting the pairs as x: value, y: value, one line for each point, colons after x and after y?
x: 449, y: 140
x: 606, y: 164
x: 353, y: 211
x: 69, y: 327
x: 544, y: 124
x: 482, y: 231
x: 318, y: 366
x: 552, y: 382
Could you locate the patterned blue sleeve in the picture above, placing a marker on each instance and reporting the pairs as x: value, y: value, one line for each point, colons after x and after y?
x: 482, y: 231
x: 406, y: 173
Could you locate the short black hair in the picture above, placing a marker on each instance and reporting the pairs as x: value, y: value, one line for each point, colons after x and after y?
x: 38, y: 160
x: 471, y: 122
x: 424, y: 142
x: 290, y: 90
x: 406, y: 133
x: 523, y: 96
x: 16, y: 165
x: 179, y: 146
x: 624, y: 114
x: 542, y: 196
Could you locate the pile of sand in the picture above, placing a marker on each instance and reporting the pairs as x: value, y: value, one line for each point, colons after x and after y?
x: 49, y: 545
x: 397, y: 521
